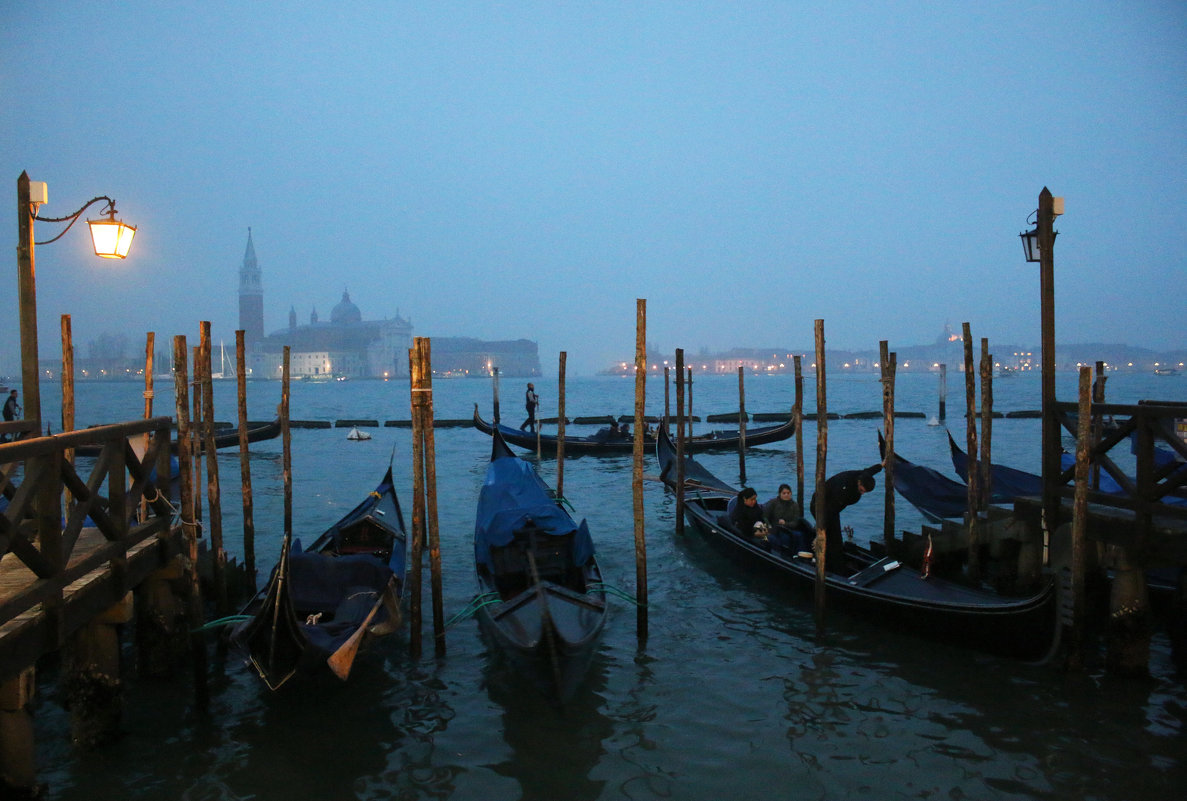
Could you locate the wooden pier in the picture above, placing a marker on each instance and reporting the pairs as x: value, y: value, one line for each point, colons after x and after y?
x: 72, y: 550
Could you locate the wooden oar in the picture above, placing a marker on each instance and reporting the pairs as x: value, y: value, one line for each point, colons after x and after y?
x: 342, y: 660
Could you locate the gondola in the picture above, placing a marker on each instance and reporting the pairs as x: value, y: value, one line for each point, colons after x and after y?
x: 323, y: 603
x: 256, y: 432
x: 607, y: 443
x: 883, y: 589
x: 541, y: 600
x: 936, y: 496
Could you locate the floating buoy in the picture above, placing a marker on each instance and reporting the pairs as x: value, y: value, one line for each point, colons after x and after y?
x: 355, y: 434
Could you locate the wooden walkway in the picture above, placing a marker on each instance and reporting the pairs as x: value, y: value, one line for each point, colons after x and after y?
x: 61, y: 565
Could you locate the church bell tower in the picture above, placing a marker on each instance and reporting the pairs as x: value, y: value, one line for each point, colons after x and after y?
x: 251, y: 297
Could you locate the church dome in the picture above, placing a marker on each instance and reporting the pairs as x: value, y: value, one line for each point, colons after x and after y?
x: 345, y: 311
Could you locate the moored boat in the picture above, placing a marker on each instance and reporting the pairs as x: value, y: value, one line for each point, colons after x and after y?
x: 541, y: 598
x: 880, y: 588
x: 607, y: 442
x: 322, y: 604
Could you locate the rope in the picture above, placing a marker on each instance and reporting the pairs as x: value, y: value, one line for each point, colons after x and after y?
x: 479, y: 601
x: 223, y: 621
x: 599, y: 586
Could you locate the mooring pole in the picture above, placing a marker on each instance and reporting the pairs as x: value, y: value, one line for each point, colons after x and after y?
x: 985, y: 487
x: 1075, y: 649
x: 680, y: 441
x: 194, y: 614
x: 150, y: 340
x: 741, y: 425
x: 798, y: 416
x: 495, y: 374
x: 943, y: 392
x: 889, y: 365
x: 213, y: 497
x: 560, y: 427
x: 418, y: 504
x: 972, y: 471
x: 667, y: 405
x: 249, y: 526
x: 821, y: 457
x: 688, y: 370
x: 637, y: 475
x: 67, y: 393
x: 424, y: 351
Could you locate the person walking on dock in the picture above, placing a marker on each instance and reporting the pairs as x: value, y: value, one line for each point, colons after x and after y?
x: 11, y: 410
x: 841, y: 491
x: 530, y: 401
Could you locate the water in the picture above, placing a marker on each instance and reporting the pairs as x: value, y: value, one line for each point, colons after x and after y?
x: 731, y: 697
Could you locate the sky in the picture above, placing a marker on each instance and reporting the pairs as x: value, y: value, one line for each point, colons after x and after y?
x: 529, y: 170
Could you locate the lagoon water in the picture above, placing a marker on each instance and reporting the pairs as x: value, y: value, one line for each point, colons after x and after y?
x: 731, y: 697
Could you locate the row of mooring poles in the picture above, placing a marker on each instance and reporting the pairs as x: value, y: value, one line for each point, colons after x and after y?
x: 888, y: 362
x: 424, y: 498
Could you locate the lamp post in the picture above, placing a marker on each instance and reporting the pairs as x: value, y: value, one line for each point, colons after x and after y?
x: 110, y: 238
x: 1039, y: 246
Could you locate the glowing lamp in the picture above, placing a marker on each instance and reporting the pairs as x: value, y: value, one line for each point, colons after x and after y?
x: 112, y: 238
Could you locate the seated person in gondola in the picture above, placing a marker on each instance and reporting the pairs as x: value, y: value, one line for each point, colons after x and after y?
x: 607, y: 434
x: 624, y: 431
x: 788, y: 528
x: 746, y: 514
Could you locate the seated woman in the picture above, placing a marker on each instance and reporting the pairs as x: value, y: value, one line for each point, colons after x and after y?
x: 746, y: 514
x: 788, y: 528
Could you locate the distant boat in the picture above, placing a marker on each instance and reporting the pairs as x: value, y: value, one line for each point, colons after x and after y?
x: 356, y: 434
x: 1165, y: 371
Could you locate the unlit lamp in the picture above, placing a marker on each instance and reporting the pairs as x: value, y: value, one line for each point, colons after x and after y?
x: 1030, y: 244
x: 112, y: 238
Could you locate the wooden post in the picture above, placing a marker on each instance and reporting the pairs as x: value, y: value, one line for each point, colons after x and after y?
x: 741, y: 426
x: 163, y: 480
x: 27, y: 303
x: 92, y: 676
x: 429, y: 451
x: 67, y: 393
x: 560, y: 428
x: 667, y: 405
x: 196, y: 444
x: 1075, y: 645
x: 798, y: 413
x: 18, y: 763
x: 888, y: 361
x: 496, y: 391
x: 1045, y: 221
x: 680, y: 441
x: 821, y: 457
x: 213, y: 493
x: 970, y: 393
x: 286, y: 441
x: 1098, y: 397
x: 688, y: 389
x: 189, y: 526
x: 249, y: 525
x: 637, y: 473
x: 985, y: 480
x: 943, y: 392
x: 418, y: 503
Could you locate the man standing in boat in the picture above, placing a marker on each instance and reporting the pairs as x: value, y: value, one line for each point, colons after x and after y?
x: 841, y: 491
x: 530, y: 401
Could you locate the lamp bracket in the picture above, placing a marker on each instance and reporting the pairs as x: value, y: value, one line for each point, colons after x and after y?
x: 73, y: 218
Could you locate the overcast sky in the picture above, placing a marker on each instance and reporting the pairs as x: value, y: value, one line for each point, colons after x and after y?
x: 521, y: 169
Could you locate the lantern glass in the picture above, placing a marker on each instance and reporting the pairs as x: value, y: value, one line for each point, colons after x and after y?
x: 112, y: 239
x: 1030, y: 244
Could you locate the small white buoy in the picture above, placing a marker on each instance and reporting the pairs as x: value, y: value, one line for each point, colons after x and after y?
x: 355, y: 434
x: 934, y: 421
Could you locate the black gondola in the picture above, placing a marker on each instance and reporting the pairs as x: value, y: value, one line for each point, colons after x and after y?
x: 321, y: 604
x: 541, y: 599
x: 881, y: 588
x: 607, y: 443
x: 256, y: 432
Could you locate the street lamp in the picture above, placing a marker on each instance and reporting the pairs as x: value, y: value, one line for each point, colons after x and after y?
x: 1039, y: 246
x: 110, y: 238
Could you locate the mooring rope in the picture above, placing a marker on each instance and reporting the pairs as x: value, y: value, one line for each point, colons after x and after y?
x: 223, y: 621
x: 479, y: 601
x: 609, y: 589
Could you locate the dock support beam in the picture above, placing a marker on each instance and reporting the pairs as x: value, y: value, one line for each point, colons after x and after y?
x: 1130, y: 626
x: 93, y: 688
x: 18, y: 766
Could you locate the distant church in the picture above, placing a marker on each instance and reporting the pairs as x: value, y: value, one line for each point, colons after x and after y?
x: 345, y: 347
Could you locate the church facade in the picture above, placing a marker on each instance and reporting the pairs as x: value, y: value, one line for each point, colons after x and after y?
x: 347, y: 346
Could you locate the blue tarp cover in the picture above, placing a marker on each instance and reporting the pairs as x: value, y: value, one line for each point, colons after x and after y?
x: 511, y: 496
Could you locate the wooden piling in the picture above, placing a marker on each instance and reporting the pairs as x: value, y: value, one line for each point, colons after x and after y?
x: 680, y: 441
x: 249, y: 525
x: 495, y: 374
x: 429, y: 450
x: 286, y: 442
x: 560, y: 426
x: 888, y: 361
x: 213, y: 492
x: 91, y: 678
x: 67, y: 392
x: 196, y: 446
x: 971, y: 513
x: 943, y: 392
x: 18, y: 762
x: 741, y: 426
x: 1075, y: 644
x: 798, y: 414
x: 418, y: 504
x: 821, y: 457
x: 667, y: 406
x: 194, y: 613
x: 688, y: 390
x: 637, y: 472
x: 150, y: 340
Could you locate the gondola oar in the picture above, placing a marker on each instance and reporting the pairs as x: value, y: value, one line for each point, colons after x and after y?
x: 342, y: 660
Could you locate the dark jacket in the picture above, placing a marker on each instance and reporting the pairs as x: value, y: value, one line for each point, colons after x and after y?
x: 840, y: 491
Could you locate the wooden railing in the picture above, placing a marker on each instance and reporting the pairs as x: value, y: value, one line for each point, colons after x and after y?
x: 43, y: 533
x: 1160, y: 473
